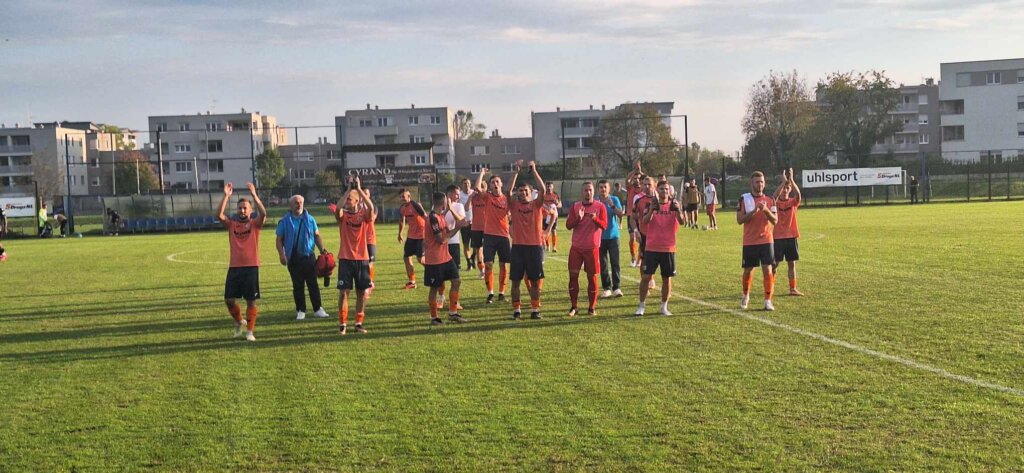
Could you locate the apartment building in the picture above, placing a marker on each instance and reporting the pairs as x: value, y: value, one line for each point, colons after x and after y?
x: 918, y: 112
x: 41, y: 155
x: 982, y: 109
x: 102, y: 149
x: 304, y: 161
x: 205, y: 151
x: 495, y: 152
x: 571, y: 132
x: 388, y: 138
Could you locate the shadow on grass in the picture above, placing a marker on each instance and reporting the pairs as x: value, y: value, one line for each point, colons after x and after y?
x: 39, y: 295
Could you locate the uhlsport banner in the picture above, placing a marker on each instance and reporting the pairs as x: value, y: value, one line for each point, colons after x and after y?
x: 853, y: 177
x: 18, y: 206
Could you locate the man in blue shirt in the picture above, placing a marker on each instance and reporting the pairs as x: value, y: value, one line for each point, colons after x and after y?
x: 610, y: 240
x: 297, y: 233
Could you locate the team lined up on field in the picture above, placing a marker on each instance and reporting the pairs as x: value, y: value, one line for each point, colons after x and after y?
x: 514, y: 228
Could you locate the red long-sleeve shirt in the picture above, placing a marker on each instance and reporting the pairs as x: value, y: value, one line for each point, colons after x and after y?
x: 586, y: 231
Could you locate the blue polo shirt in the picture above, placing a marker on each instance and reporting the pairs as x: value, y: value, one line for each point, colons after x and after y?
x: 288, y: 228
x: 612, y: 231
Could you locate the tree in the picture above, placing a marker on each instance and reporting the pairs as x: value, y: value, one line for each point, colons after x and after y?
x: 779, y: 111
x: 134, y: 173
x: 856, y: 112
x: 328, y: 185
x: 633, y: 133
x: 119, y: 142
x: 49, y: 178
x: 704, y: 160
x: 269, y: 168
x: 466, y: 128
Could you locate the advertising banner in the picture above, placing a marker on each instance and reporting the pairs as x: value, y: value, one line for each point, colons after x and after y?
x: 386, y: 176
x: 852, y: 177
x: 18, y: 206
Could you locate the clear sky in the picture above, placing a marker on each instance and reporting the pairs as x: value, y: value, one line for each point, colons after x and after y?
x: 120, y: 61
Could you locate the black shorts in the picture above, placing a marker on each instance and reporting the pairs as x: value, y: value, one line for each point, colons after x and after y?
x: 527, y: 260
x: 549, y: 225
x: 476, y: 239
x: 413, y: 247
x: 643, y: 244
x: 787, y: 249
x: 243, y: 283
x: 455, y: 250
x: 758, y: 255
x: 467, y: 235
x: 497, y: 245
x: 691, y: 207
x: 434, y: 275
x: 659, y: 259
x: 353, y: 274
x: 371, y: 250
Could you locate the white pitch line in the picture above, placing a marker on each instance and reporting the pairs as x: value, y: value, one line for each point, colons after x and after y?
x: 849, y: 346
x: 174, y: 258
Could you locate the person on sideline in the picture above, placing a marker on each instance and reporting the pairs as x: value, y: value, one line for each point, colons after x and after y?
x: 354, y: 218
x: 756, y: 212
x: 297, y: 234
x: 243, y: 280
x: 610, y: 272
x: 412, y: 215
x: 663, y: 220
x: 711, y: 203
x: 587, y: 219
x: 786, y: 232
x: 693, y: 197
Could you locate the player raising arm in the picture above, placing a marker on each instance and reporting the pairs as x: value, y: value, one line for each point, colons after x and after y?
x: 243, y: 279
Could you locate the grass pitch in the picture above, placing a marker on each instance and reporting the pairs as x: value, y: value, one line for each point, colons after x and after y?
x: 115, y: 354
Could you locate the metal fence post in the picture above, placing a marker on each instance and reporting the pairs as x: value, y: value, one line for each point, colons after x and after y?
x: 968, y: 181
x: 989, y: 166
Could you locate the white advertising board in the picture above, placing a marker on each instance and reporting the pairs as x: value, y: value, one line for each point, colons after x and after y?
x: 852, y: 177
x: 18, y: 206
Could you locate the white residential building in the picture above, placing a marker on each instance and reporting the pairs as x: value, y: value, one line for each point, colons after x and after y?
x: 383, y: 135
x: 41, y: 154
x: 982, y: 109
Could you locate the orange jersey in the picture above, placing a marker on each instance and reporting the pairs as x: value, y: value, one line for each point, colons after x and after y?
x: 758, y: 230
x: 630, y: 194
x: 640, y: 207
x: 527, y: 222
x: 413, y: 214
x: 244, y: 238
x: 787, y: 228
x: 552, y: 199
x: 353, y: 228
x: 371, y: 231
x: 495, y: 215
x: 435, y: 249
x: 478, y: 202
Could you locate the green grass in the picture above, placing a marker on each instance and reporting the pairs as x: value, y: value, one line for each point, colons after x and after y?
x: 113, y: 358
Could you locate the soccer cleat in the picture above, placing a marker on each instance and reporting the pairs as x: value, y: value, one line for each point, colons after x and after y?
x: 592, y: 312
x: 249, y: 336
x: 617, y: 293
x: 640, y: 309
x: 517, y: 315
x: 535, y: 315
x: 607, y: 293
x: 436, y: 321
x: 300, y: 315
x: 664, y: 310
x: 410, y: 285
x: 795, y: 292
x: 744, y: 301
x: 554, y: 250
x: 632, y: 263
x: 456, y: 318
x: 343, y: 329
x: 360, y: 329
x: 501, y: 296
x: 572, y: 312
x: 490, y: 298
x: 239, y: 330
x: 768, y: 305
x: 320, y: 313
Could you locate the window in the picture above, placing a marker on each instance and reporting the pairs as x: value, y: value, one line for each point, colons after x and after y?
x: 216, y: 165
x: 215, y: 126
x: 419, y: 159
x: 165, y: 148
x: 183, y: 166
x: 992, y: 78
x: 589, y: 122
x: 365, y: 123
x: 953, y: 133
x: 922, y: 119
x: 435, y: 119
x: 305, y: 173
x: 183, y: 126
x: 96, y: 181
x: 1020, y: 77
x: 477, y: 167
x: 922, y: 99
x: 480, y: 150
x: 906, y: 100
x: 925, y: 138
x: 383, y: 121
x: 94, y: 162
x: 952, y: 107
x: 385, y: 161
x: 417, y: 139
x: 570, y: 123
x: 586, y: 142
x: 333, y: 155
x: 303, y: 155
x: 384, y: 139
x: 182, y: 148
x: 1020, y: 102
x: 161, y: 127
x: 572, y: 143
x: 906, y: 121
x: 414, y: 120
x: 510, y: 148
x: 215, y: 146
x: 1020, y: 129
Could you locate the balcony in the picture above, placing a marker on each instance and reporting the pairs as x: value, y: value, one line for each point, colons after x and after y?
x: 8, y: 149
x: 26, y: 169
x: 25, y: 189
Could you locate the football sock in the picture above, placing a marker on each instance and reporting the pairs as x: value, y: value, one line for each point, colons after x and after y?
x: 480, y: 265
x: 489, y: 279
x: 554, y: 239
x: 453, y: 301
x: 412, y: 275
x: 574, y: 288
x: 373, y: 274
x: 502, y: 279
x: 592, y: 291
x: 535, y: 303
x: 359, y: 318
x: 343, y: 313
x: 748, y: 279
x: 433, y: 307
x: 632, y: 249
x: 236, y: 312
x: 769, y: 286
x: 250, y: 316
x: 792, y: 284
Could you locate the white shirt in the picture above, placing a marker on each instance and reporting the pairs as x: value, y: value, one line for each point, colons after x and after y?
x: 455, y: 209
x: 710, y: 195
x: 464, y: 201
